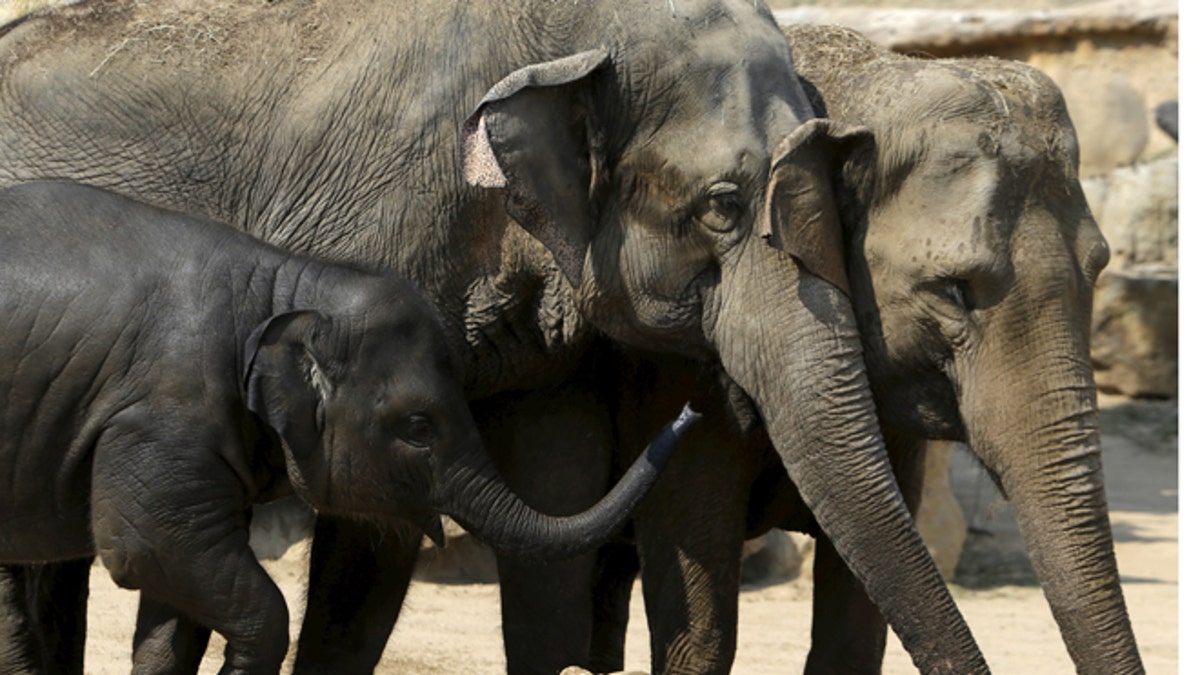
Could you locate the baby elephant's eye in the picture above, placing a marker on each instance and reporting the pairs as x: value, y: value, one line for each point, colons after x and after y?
x: 417, y: 430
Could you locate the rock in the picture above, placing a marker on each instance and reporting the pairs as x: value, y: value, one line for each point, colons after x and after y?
x: 1135, y: 329
x: 276, y: 526
x: 1109, y: 115
x: 1166, y: 116
x: 775, y: 557
x: 1137, y: 209
x: 940, y: 519
x: 463, y: 561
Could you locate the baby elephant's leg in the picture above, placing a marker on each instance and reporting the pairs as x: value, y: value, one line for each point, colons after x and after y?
x: 166, y: 640
x: 169, y: 519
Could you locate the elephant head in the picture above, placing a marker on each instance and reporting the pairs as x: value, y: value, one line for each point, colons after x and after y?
x: 690, y: 206
x: 368, y: 399
x: 972, y: 257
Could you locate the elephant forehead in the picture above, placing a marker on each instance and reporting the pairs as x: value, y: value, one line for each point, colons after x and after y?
x: 723, y: 77
x: 944, y: 215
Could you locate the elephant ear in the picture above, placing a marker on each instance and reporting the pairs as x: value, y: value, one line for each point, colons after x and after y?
x: 285, y: 380
x: 530, y: 135
x: 802, y: 212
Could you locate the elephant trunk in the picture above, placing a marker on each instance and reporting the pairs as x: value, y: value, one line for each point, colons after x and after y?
x: 797, y: 354
x: 472, y: 491
x: 1045, y: 450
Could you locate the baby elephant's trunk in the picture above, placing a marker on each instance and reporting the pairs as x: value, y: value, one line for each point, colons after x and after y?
x: 473, y: 493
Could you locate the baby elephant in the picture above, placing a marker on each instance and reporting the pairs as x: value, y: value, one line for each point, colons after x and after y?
x: 161, y: 372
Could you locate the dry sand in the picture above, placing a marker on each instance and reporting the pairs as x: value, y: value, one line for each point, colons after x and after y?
x: 456, y: 628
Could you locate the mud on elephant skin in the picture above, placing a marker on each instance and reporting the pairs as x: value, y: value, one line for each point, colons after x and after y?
x: 613, y: 176
x: 972, y: 255
x: 158, y: 361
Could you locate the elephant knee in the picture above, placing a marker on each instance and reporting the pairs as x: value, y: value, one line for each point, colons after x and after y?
x: 127, y: 556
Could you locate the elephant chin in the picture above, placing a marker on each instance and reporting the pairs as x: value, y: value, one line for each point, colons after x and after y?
x: 474, y: 494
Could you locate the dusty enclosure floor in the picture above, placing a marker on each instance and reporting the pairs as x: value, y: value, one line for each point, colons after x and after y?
x: 456, y: 629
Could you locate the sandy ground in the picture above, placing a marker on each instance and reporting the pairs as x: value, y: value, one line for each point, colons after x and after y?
x: 456, y: 628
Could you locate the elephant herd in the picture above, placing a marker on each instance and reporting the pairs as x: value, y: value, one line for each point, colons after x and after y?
x: 540, y: 229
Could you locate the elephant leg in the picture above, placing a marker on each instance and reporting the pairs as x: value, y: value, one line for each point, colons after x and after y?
x: 176, y: 527
x: 554, y: 450
x: 167, y: 641
x: 358, y: 577
x: 690, y: 533
x: 43, y: 616
x: 546, y: 614
x: 849, y: 634
x: 617, y: 567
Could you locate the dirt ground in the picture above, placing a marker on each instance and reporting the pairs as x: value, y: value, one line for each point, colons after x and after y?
x: 456, y: 629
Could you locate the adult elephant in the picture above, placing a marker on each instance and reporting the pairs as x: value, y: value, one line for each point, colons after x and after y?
x: 971, y: 254
x: 638, y: 145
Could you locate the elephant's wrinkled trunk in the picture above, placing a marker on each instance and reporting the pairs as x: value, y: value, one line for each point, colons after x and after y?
x: 1045, y: 449
x: 797, y: 353
x: 472, y: 491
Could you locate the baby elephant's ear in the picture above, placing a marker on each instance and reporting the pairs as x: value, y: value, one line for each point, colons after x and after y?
x: 802, y: 211
x: 285, y: 381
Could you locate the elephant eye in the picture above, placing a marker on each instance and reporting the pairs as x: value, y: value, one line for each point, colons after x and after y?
x: 723, y: 207
x: 959, y: 292
x: 417, y: 430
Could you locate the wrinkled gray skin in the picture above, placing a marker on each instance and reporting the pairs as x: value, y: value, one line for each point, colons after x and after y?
x: 637, y: 142
x: 972, y: 255
x: 972, y: 261
x: 156, y: 360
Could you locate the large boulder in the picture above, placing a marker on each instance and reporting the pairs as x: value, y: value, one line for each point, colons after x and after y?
x: 1135, y: 331
x: 277, y: 526
x: 1137, y: 208
x: 776, y: 557
x: 1110, y: 117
